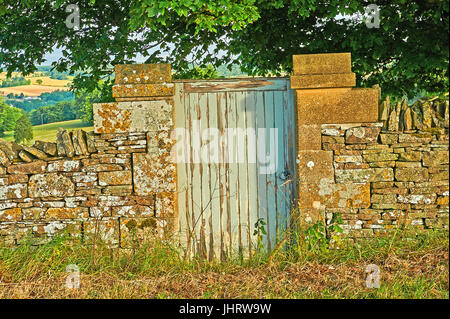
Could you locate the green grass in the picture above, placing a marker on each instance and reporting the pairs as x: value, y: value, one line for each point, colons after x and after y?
x: 411, y: 266
x: 47, y: 132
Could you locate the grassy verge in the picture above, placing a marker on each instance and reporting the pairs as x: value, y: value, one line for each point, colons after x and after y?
x: 47, y: 132
x: 410, y: 267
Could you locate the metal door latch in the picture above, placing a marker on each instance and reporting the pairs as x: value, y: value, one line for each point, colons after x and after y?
x: 284, y: 175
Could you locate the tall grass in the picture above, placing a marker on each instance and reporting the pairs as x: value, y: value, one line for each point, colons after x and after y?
x: 414, y: 265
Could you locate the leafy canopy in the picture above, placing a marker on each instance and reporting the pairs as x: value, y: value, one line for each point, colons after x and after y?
x: 408, y: 53
x: 23, y: 129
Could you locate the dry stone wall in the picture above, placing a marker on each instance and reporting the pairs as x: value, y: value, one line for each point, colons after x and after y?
x: 378, y: 165
x: 117, y: 182
x: 380, y: 170
x: 402, y: 177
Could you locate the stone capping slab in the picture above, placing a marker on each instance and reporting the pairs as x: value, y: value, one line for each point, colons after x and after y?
x: 133, y: 117
x: 143, y: 90
x: 313, y: 81
x: 326, y: 63
x: 339, y: 105
x: 142, y: 73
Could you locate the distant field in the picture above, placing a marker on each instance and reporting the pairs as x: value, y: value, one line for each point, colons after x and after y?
x: 47, y: 132
x: 31, y: 90
x: 47, y: 81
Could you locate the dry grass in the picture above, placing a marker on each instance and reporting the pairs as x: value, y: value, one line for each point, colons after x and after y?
x: 413, y: 268
x: 31, y: 90
x: 46, y: 80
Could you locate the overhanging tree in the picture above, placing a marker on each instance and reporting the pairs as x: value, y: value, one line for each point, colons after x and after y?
x: 407, y: 54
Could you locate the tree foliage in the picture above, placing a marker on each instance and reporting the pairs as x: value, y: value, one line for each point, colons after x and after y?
x: 23, y: 130
x: 8, y: 117
x: 407, y: 54
x: 14, y: 81
x: 61, y: 111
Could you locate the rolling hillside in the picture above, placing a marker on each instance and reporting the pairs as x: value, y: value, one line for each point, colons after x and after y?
x: 47, y: 132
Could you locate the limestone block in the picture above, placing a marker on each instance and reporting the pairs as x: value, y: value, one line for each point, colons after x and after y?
x: 79, y: 142
x: 413, y: 174
x: 15, y: 191
x: 46, y: 147
x: 120, y: 190
x: 435, y: 158
x: 10, y: 149
x: 133, y: 117
x: 309, y: 137
x: 66, y: 213
x: 153, y: 173
x: 411, y: 156
x: 52, y: 228
x: 142, y: 73
x: 322, y: 63
x: 364, y: 175
x: 314, y: 81
x: 362, y: 135
x: 314, y: 165
x: 143, y: 90
x: 36, y: 152
x: 417, y: 199
x: 134, y: 211
x: 64, y: 166
x: 135, y: 231
x: 11, y: 214
x: 4, y: 160
x: 341, y: 105
x: 52, y: 184
x: 26, y: 157
x: 380, y: 157
x: 35, y: 167
x: 329, y: 194
x: 64, y: 143
x: 114, y: 178
x: 33, y: 213
x: 90, y: 142
x: 102, y: 230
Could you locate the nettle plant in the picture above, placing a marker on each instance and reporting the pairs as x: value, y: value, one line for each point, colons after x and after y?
x: 322, y: 236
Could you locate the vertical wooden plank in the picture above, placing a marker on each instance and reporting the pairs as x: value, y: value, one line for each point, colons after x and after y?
x: 279, y: 187
x: 270, y: 176
x: 214, y: 156
x: 292, y: 144
x: 180, y: 118
x: 261, y: 155
x: 242, y: 157
x: 205, y: 218
x: 195, y: 120
x: 286, y: 184
x: 222, y: 121
x: 289, y: 142
x: 190, y: 218
x: 233, y: 174
x: 252, y: 172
